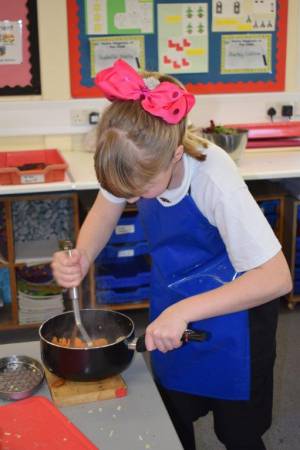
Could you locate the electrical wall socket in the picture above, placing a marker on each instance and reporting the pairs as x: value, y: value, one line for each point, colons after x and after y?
x: 80, y: 117
x: 277, y: 106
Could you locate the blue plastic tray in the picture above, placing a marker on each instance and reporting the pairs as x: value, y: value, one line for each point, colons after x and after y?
x: 297, y: 274
x: 269, y: 206
x: 133, y: 272
x: 272, y: 219
x: 123, y: 295
x: 297, y: 287
x: 128, y: 229
x: 128, y: 250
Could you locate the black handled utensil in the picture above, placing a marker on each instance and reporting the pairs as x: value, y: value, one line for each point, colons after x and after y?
x: 139, y: 345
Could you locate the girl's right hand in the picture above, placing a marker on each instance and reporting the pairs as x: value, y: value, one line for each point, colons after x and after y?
x: 69, y: 270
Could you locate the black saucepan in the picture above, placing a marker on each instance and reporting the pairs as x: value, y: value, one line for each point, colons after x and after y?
x: 94, y: 363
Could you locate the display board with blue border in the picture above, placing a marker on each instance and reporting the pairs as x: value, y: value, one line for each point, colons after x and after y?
x: 217, y: 46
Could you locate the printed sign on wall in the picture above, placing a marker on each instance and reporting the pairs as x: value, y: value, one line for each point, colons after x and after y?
x: 245, y: 53
x: 182, y: 37
x: 244, y: 15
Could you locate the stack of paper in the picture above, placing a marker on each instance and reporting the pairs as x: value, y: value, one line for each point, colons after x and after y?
x: 38, y: 302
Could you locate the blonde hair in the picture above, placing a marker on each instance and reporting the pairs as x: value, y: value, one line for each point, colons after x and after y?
x: 134, y: 146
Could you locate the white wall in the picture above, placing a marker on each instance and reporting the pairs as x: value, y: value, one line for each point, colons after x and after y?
x: 54, y: 117
x: 45, y: 120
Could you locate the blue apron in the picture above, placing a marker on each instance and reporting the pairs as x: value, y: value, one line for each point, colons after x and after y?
x: 189, y: 257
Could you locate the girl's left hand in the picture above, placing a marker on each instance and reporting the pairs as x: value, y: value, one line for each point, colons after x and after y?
x: 165, y: 332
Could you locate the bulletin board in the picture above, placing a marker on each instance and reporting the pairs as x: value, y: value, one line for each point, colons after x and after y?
x: 212, y: 46
x: 19, y: 50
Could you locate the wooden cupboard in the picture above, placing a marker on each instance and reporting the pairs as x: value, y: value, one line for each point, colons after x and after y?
x: 292, y: 246
x: 31, y: 227
x: 70, y: 208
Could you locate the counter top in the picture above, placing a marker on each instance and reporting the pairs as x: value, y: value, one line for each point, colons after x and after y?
x: 258, y: 164
x: 39, y: 188
x: 81, y: 166
x: 273, y: 163
x: 255, y: 164
x: 138, y: 421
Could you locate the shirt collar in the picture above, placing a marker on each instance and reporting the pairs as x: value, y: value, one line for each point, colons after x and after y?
x: 171, y: 197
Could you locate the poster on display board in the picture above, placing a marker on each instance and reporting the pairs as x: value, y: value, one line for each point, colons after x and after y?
x: 212, y: 46
x: 19, y: 50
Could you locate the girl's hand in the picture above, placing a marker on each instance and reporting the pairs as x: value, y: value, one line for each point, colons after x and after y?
x: 165, y: 332
x: 68, y: 271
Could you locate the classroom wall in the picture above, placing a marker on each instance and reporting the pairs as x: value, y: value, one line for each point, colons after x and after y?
x: 54, y: 48
x: 44, y: 121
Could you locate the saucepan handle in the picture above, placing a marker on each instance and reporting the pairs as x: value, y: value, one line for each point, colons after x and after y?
x: 138, y: 344
x: 193, y: 335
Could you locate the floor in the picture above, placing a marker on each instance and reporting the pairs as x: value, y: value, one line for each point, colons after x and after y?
x: 285, y: 431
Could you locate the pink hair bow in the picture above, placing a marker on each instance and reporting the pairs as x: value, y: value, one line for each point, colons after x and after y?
x: 167, y: 100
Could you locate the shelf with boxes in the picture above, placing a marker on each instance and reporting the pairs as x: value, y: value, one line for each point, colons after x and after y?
x: 122, y: 269
x: 273, y: 211
x: 270, y: 196
x: 292, y: 243
x: 31, y: 228
x: 119, y: 278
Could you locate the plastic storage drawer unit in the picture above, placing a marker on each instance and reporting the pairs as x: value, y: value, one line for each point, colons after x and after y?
x: 135, y: 272
x: 269, y: 206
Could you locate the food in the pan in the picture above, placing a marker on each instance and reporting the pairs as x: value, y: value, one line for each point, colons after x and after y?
x: 77, y: 342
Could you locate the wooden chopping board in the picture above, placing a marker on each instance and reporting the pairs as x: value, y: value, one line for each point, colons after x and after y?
x: 67, y: 392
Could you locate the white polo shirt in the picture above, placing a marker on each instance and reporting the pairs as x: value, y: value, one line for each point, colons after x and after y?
x: 223, y: 198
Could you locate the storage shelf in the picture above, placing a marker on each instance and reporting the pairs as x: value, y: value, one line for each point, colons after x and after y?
x: 290, y: 242
x: 6, y: 318
x: 3, y: 262
x: 35, y: 252
x: 9, y: 313
x: 293, y: 300
x: 33, y: 233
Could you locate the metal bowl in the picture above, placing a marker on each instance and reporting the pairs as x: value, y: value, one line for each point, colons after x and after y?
x: 20, y: 377
x: 234, y: 144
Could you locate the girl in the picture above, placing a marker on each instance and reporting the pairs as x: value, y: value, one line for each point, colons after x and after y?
x: 216, y: 264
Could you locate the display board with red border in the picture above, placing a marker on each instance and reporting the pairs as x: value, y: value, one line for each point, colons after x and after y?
x: 212, y: 47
